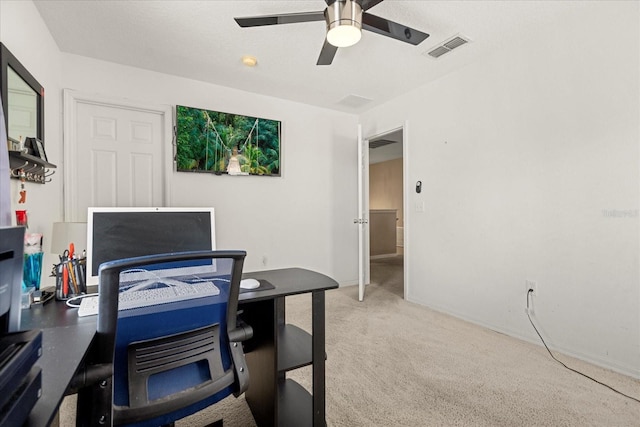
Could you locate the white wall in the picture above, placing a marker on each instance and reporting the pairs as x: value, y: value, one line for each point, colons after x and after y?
x: 26, y: 36
x: 522, y: 157
x: 303, y: 219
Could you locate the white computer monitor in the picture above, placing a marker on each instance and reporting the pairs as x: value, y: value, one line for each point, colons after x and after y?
x: 117, y: 233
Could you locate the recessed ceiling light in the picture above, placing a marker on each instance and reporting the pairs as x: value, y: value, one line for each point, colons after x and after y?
x: 249, y: 61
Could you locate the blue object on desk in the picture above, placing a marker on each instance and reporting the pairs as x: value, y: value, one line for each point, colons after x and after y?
x: 32, y: 269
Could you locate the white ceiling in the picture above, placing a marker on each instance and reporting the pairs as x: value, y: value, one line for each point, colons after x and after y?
x: 200, y: 40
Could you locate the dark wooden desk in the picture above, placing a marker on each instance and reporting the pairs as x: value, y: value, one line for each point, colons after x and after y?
x: 66, y: 339
x: 275, y: 349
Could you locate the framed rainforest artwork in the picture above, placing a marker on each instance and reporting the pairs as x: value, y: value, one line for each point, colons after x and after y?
x: 225, y: 143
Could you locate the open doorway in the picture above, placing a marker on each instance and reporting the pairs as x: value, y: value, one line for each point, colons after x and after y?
x: 386, y: 211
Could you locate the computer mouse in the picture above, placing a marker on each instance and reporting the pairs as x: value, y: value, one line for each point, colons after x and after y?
x: 249, y: 284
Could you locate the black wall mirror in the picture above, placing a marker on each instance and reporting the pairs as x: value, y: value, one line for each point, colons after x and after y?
x: 22, y: 99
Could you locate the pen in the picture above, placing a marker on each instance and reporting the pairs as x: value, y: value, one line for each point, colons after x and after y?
x: 72, y: 275
x: 81, y: 274
x: 65, y: 281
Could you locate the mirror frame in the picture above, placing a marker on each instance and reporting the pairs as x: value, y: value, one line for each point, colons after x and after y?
x: 8, y: 60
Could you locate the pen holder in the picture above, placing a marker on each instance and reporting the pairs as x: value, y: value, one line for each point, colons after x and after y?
x: 32, y: 269
x: 70, y: 278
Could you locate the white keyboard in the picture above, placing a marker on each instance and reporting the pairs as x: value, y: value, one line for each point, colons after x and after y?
x: 149, y: 293
x: 142, y: 295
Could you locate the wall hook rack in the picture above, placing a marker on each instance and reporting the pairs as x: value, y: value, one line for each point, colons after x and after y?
x: 30, y: 168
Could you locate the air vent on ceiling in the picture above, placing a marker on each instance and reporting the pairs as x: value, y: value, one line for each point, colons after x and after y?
x: 354, y: 101
x: 447, y: 46
x: 380, y: 143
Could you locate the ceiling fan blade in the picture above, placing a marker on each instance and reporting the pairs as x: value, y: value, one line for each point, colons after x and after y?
x: 392, y: 29
x: 368, y: 4
x: 327, y: 53
x: 287, y: 18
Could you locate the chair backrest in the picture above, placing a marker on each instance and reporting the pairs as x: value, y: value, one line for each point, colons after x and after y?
x: 174, y: 355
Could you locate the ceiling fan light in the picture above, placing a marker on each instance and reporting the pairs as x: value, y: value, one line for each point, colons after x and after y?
x: 344, y: 23
x: 344, y: 35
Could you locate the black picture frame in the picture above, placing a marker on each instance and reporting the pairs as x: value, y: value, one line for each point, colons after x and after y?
x: 8, y: 60
x: 36, y: 148
x: 40, y: 149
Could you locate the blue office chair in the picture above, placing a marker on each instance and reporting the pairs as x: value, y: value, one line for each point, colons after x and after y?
x: 172, y: 359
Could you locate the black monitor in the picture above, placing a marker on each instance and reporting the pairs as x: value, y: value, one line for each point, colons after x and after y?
x: 117, y: 233
x: 11, y: 250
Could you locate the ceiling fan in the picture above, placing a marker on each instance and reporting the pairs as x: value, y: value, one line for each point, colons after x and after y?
x: 344, y: 19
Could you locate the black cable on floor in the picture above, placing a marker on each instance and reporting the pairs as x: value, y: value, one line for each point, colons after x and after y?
x: 571, y: 369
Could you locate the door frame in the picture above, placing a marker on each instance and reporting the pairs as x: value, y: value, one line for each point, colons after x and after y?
x: 364, y: 161
x: 363, y: 214
x: 71, y: 99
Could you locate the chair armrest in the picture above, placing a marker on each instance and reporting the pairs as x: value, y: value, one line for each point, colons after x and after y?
x: 242, y: 332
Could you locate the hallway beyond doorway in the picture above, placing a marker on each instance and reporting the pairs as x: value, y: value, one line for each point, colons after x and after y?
x: 388, y: 273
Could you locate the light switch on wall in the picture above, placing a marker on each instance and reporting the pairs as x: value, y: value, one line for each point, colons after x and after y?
x: 420, y: 207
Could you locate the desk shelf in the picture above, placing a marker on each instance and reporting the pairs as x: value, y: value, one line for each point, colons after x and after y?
x: 275, y: 349
x: 294, y: 348
x: 295, y: 405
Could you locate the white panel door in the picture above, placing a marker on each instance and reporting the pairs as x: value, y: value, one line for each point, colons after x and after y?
x: 115, y: 157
